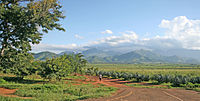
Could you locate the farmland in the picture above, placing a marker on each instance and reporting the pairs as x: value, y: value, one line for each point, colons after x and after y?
x: 151, y: 69
x: 171, y: 75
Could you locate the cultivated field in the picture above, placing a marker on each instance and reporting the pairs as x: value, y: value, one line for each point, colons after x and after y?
x: 150, y: 69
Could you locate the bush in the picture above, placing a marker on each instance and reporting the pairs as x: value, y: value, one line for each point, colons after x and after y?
x: 2, y: 81
x: 56, y: 68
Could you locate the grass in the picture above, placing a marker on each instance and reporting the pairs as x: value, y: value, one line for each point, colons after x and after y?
x: 2, y: 98
x: 62, y: 92
x: 53, y: 91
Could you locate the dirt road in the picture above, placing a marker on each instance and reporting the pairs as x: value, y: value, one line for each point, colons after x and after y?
x: 145, y: 94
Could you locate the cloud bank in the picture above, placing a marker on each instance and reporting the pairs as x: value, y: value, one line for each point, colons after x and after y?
x: 184, y: 30
x: 54, y: 48
x: 180, y: 32
x: 127, y: 37
x: 78, y: 36
x: 107, y: 32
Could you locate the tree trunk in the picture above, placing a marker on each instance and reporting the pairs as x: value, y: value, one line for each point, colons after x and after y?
x: 2, y: 52
x: 3, y: 47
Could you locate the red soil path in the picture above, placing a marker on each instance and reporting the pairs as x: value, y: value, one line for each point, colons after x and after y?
x: 10, y: 93
x: 143, y: 94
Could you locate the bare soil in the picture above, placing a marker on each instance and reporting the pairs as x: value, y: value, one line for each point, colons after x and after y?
x: 10, y: 93
x: 143, y: 94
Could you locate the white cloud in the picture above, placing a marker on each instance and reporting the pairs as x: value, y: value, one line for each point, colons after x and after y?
x: 54, y: 48
x: 107, y: 32
x: 78, y: 36
x: 183, y: 30
x: 127, y: 37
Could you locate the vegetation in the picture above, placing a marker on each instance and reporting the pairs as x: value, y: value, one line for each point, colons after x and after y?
x: 183, y: 75
x: 62, y: 66
x: 60, y: 85
x: 23, y: 23
x: 151, y: 69
x: 65, y: 90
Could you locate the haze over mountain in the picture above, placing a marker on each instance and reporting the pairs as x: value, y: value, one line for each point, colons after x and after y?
x: 44, y: 55
x: 94, y: 55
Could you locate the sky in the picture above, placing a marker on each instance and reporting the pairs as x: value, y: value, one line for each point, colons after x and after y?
x: 132, y: 23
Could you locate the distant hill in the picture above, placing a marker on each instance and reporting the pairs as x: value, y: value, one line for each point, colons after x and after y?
x: 44, y: 55
x: 66, y: 52
x: 138, y: 56
x: 141, y: 56
x: 99, y: 53
x: 195, y: 54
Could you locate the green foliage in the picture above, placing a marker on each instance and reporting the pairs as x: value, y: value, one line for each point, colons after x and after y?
x: 23, y: 23
x: 2, y: 81
x: 19, y: 64
x: 13, y: 99
x: 177, y: 80
x: 77, y: 62
x: 56, y: 68
x: 92, y: 71
x: 62, y: 66
x: 162, y: 78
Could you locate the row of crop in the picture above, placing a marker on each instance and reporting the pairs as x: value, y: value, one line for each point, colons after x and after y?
x: 176, y: 80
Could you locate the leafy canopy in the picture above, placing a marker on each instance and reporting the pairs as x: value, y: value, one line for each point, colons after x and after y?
x: 22, y: 23
x: 62, y: 66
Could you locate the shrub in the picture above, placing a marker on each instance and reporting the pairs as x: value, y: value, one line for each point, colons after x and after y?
x: 2, y: 81
x: 56, y: 68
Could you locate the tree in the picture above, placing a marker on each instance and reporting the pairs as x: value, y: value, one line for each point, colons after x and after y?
x: 56, y: 68
x: 23, y: 22
x: 20, y: 64
x: 77, y: 62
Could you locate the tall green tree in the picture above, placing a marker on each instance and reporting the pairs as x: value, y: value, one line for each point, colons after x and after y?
x: 22, y: 23
x: 77, y: 62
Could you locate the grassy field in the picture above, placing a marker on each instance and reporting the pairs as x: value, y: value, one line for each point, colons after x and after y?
x: 150, y: 69
x: 41, y: 90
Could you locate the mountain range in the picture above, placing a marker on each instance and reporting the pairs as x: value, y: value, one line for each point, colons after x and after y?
x: 94, y: 55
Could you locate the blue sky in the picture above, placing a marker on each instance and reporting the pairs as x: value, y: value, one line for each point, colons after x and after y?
x: 88, y: 21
